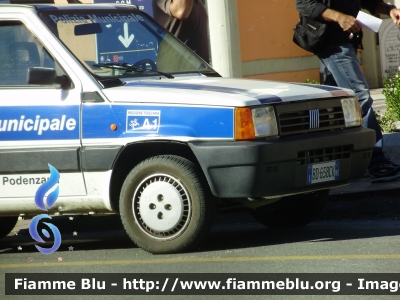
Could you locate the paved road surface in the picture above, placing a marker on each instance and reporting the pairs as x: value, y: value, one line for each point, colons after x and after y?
x: 352, y: 235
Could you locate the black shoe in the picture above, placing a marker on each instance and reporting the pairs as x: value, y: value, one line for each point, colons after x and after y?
x: 385, y: 171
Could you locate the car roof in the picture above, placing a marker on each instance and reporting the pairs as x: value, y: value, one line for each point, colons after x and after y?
x: 73, y: 4
x: 32, y: 2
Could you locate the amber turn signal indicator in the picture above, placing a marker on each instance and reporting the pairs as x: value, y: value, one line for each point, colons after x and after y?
x: 113, y: 127
x: 244, y: 126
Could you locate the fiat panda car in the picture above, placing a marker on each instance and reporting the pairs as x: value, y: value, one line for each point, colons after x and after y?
x: 137, y: 124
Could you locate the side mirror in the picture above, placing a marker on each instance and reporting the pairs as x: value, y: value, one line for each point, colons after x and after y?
x: 47, y: 76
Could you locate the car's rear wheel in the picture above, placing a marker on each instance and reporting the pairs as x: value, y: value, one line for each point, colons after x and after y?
x: 292, y: 211
x: 6, y: 225
x: 164, y: 205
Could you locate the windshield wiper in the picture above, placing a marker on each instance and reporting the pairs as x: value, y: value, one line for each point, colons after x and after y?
x: 121, y: 66
x: 130, y: 67
x: 169, y: 76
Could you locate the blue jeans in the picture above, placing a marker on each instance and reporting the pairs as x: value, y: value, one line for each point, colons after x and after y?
x: 344, y: 71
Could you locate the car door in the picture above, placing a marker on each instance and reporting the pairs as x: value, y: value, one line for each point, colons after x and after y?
x: 39, y: 123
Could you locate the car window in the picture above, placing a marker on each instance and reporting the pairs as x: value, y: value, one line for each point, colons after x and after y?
x: 19, y: 51
x: 120, y: 39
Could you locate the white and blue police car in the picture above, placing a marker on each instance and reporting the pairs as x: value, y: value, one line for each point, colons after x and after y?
x: 139, y: 125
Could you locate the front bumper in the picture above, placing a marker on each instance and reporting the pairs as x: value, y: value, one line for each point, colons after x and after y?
x: 270, y: 168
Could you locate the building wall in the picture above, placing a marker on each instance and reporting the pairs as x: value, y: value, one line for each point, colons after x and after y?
x: 268, y: 52
x: 267, y: 49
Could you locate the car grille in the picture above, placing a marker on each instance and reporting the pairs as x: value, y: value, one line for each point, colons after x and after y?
x: 322, y: 155
x: 309, y: 117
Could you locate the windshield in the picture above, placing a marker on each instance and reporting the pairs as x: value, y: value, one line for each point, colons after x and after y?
x: 121, y: 43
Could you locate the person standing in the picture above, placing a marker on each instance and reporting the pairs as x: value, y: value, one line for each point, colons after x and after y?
x: 187, y: 20
x: 339, y: 56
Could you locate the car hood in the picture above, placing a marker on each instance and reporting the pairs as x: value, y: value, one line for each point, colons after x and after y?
x: 219, y: 91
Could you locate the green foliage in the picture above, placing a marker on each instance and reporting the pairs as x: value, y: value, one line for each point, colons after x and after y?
x: 386, y: 121
x: 391, y: 92
x: 312, y: 81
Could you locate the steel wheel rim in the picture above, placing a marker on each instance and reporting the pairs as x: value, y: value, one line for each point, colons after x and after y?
x: 162, y: 206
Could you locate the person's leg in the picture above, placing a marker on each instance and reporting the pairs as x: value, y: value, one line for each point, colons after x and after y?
x: 328, y: 79
x: 343, y: 64
x: 326, y: 76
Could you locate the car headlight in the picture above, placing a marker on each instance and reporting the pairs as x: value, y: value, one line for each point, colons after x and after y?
x: 352, y: 112
x: 252, y: 123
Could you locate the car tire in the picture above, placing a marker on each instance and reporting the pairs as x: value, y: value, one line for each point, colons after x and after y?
x: 165, y: 205
x: 6, y: 225
x: 293, y: 211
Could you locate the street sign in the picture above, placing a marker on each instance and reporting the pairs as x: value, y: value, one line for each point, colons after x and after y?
x: 124, y: 39
x: 144, y: 5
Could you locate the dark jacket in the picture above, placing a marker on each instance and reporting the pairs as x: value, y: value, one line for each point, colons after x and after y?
x: 314, y: 8
x: 193, y: 31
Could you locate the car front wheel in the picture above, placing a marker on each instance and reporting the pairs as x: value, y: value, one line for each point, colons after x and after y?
x: 164, y: 205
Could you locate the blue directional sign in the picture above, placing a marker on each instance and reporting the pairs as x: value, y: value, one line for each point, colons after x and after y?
x: 144, y: 5
x: 125, y: 38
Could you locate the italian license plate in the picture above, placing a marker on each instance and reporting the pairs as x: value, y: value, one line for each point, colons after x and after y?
x: 321, y: 172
